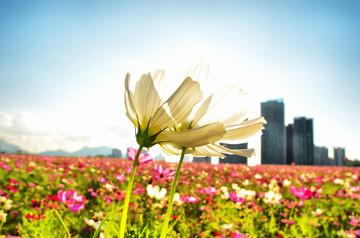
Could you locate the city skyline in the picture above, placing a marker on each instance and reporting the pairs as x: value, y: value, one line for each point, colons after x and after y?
x: 63, y: 64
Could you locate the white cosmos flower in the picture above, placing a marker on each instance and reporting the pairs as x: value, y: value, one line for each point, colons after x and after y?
x: 177, y: 199
x: 151, y: 115
x: 272, y: 197
x: 224, y: 112
x: 156, y: 192
x: 210, y: 117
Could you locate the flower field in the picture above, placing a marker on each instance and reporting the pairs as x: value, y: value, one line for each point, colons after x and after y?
x: 224, y: 200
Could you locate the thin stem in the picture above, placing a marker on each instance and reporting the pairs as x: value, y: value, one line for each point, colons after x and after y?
x: 128, y: 194
x: 107, y: 217
x: 62, y: 222
x: 172, y: 194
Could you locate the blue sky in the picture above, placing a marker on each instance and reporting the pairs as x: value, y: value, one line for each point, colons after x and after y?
x: 63, y: 63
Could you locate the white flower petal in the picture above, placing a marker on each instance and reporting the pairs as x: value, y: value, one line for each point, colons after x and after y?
x: 146, y: 99
x: 194, y: 137
x: 206, y: 150
x: 199, y: 72
x: 129, y: 105
x: 245, y: 129
x: 159, y: 81
x: 219, y: 109
x: 242, y: 152
x: 179, y: 104
x: 160, y: 194
x: 170, y: 149
x: 202, y: 110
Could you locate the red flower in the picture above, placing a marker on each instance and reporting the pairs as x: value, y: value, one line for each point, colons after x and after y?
x: 52, y: 197
x: 35, y: 217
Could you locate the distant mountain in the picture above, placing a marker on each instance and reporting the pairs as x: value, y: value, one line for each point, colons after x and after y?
x: 55, y: 153
x: 86, y: 151
x: 8, y: 148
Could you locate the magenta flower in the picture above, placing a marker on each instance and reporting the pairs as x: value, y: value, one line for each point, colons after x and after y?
x: 162, y: 174
x: 129, y: 170
x: 233, y: 197
x: 120, y: 178
x: 102, y: 180
x: 290, y: 223
x: 354, y: 221
x: 91, y: 190
x: 32, y: 185
x: 143, y: 159
x: 190, y: 199
x: 5, y: 166
x: 211, y: 191
x: 237, y: 234
x: 72, y: 200
x: 302, y: 193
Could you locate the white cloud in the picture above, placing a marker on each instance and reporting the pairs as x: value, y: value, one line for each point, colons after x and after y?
x: 70, y: 132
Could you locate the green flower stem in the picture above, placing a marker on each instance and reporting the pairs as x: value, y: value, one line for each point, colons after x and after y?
x: 172, y: 194
x: 62, y: 223
x: 128, y: 194
x: 99, y: 228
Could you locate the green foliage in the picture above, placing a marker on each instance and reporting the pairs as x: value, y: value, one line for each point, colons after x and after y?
x: 43, y: 228
x: 29, y: 191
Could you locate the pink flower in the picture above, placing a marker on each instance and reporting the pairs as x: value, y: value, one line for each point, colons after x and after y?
x: 129, y: 170
x: 5, y: 166
x: 237, y: 234
x: 287, y: 222
x: 212, y: 191
x: 120, y: 178
x: 300, y: 204
x: 302, y: 193
x: 102, y: 180
x: 233, y: 197
x: 354, y: 221
x: 72, y: 200
x: 47, y: 159
x: 143, y: 159
x: 190, y: 199
x: 355, y: 189
x: 91, y: 190
x: 162, y: 174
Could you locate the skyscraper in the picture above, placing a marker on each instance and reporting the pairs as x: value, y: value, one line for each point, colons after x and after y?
x: 234, y: 159
x: 273, y: 149
x: 197, y: 159
x: 303, y: 141
x: 339, y: 155
x: 289, y: 144
x: 321, y: 156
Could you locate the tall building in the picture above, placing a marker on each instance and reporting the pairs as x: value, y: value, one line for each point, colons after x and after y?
x: 321, y: 155
x: 273, y: 148
x: 303, y: 141
x: 115, y: 153
x: 197, y: 159
x: 289, y: 144
x: 339, y: 155
x: 234, y: 159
